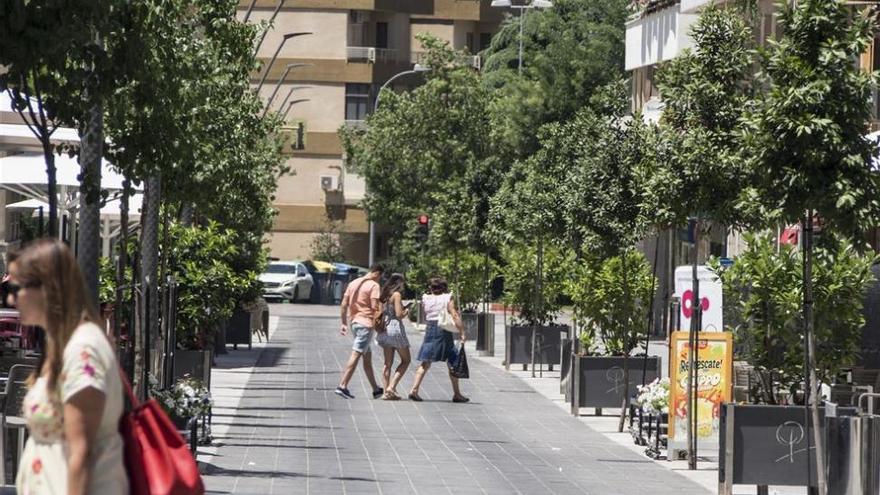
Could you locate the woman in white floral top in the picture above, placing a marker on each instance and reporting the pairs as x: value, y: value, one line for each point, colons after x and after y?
x: 75, y: 401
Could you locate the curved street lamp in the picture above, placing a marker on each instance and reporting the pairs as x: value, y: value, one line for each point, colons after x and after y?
x: 417, y: 68
x: 535, y: 4
x: 275, y: 55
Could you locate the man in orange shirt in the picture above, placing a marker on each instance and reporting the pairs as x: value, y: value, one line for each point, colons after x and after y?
x: 360, y: 306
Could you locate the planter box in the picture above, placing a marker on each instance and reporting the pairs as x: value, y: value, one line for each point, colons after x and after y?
x: 196, y: 364
x: 519, y: 344
x: 480, y: 328
x: 238, y: 330
x: 565, y: 369
x: 600, y: 379
x: 764, y: 445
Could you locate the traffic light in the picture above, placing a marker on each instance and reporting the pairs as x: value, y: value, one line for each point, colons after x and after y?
x: 423, y: 228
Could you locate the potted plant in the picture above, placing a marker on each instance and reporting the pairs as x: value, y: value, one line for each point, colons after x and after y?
x: 611, y: 326
x: 764, y: 287
x: 187, y: 400
x: 533, y: 338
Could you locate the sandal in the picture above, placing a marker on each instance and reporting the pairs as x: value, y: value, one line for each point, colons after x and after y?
x: 461, y: 399
x: 415, y: 397
x: 390, y: 396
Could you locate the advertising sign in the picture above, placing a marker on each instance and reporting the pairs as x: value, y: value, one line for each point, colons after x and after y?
x: 710, y: 298
x: 715, y: 368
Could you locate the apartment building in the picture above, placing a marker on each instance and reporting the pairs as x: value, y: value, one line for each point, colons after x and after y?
x: 330, y: 78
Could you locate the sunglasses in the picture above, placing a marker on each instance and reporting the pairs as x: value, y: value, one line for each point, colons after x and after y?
x: 12, y: 288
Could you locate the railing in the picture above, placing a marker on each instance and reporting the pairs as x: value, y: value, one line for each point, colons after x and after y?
x: 371, y: 54
x: 356, y: 124
x: 472, y: 60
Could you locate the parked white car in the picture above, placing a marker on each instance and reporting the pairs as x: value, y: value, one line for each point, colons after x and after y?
x: 287, y: 280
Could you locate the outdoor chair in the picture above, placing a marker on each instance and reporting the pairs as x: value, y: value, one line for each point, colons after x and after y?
x: 13, y: 419
x: 6, y: 363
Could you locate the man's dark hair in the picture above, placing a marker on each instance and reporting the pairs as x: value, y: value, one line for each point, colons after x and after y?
x: 378, y: 268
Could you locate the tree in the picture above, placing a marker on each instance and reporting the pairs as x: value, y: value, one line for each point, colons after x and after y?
x: 57, y: 72
x: 698, y: 173
x: 765, y: 292
x: 569, y: 51
x: 425, y: 152
x: 805, y: 143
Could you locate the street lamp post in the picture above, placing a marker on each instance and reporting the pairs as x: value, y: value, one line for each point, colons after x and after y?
x: 275, y: 55
x: 289, y: 94
x: 292, y: 103
x: 271, y: 21
x: 534, y: 4
x: 280, y: 82
x: 417, y: 68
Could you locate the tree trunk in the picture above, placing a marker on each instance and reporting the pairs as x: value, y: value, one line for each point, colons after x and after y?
x: 651, y: 310
x: 89, y: 239
x: 693, y: 342
x: 122, y: 261
x: 149, y: 327
x: 624, y: 407
x: 51, y: 187
x: 811, y: 390
x: 539, y: 282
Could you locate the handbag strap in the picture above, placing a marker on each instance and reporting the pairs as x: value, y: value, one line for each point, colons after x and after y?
x: 128, y: 391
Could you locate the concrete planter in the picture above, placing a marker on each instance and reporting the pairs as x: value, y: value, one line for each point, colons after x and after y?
x: 480, y: 328
x: 518, y: 349
x: 600, y: 381
x: 196, y: 364
x: 765, y: 445
x: 238, y: 330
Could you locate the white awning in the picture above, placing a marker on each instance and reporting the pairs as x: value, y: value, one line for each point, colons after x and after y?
x: 28, y: 204
x: 30, y: 169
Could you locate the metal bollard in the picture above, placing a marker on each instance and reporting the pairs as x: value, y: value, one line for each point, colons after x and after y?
x: 852, y: 440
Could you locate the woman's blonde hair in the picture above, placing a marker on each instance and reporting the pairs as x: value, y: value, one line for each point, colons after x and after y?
x: 49, y: 265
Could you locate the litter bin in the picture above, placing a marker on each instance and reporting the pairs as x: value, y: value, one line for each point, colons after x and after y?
x: 852, y: 439
x: 319, y: 287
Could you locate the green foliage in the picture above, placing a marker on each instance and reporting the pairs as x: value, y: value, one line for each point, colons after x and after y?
x: 329, y: 244
x: 519, y: 282
x: 697, y: 169
x: 464, y: 271
x: 604, y: 193
x: 106, y: 280
x: 804, y: 139
x: 200, y: 258
x: 569, y: 51
x: 611, y: 298
x: 423, y: 152
x: 764, y: 287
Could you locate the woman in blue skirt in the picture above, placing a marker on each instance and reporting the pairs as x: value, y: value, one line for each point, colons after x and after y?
x: 438, y: 344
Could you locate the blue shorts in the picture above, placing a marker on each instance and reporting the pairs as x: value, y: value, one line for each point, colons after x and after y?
x: 362, y: 337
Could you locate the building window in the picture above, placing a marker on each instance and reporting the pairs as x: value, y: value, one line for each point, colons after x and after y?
x: 485, y: 40
x: 381, y: 35
x: 357, y: 101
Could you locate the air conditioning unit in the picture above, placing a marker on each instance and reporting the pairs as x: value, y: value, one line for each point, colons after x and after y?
x: 329, y: 183
x: 359, y: 16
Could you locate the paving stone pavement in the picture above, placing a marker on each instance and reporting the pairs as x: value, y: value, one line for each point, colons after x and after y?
x: 291, y: 434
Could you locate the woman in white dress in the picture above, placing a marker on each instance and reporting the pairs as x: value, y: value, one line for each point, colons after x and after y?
x: 394, y: 337
x: 75, y: 401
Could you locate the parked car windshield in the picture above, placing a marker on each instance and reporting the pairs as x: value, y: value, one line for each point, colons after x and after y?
x: 281, y: 268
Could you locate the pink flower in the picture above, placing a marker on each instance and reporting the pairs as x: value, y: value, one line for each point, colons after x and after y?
x: 37, y: 466
x: 34, y: 408
x: 84, y: 355
x: 89, y: 370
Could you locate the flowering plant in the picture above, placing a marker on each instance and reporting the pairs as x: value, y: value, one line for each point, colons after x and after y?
x: 654, y: 397
x: 188, y: 398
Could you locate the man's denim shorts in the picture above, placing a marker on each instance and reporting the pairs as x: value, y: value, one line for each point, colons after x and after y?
x: 362, y: 337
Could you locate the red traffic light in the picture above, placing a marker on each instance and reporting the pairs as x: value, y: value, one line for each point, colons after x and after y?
x: 423, y: 219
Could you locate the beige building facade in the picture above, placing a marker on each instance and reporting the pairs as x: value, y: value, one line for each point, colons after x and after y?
x: 329, y: 79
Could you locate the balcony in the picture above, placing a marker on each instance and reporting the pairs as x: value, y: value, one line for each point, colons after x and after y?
x: 658, y: 34
x: 474, y: 61
x: 371, y: 54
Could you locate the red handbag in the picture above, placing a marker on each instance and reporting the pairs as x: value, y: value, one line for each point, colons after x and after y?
x: 157, y: 458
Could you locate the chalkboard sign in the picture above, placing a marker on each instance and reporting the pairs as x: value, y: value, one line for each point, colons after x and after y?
x: 769, y: 446
x: 519, y: 344
x: 600, y: 379
x: 869, y: 357
x: 565, y: 369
